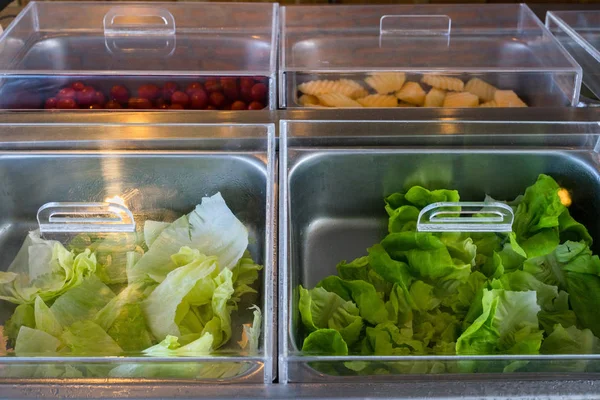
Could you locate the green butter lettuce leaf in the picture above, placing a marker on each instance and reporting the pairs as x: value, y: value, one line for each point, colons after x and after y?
x: 360, y: 269
x: 423, y: 296
x: 460, y: 246
x: 493, y: 266
x: 571, y: 230
x: 508, y: 325
x: 45, y: 319
x: 542, y: 243
x: 391, y: 271
x: 512, y: 255
x: 371, y: 306
x: 23, y: 315
x: 321, y: 309
x: 421, y: 197
x: 88, y: 338
x: 165, y: 306
x: 33, y: 342
x: 82, y: 302
x: 325, y: 342
x: 539, y: 209
x: 399, y: 306
x: 211, y: 229
x: 403, y: 218
x: 467, y: 294
x: 570, y: 341
x: 427, y: 257
x: 557, y: 313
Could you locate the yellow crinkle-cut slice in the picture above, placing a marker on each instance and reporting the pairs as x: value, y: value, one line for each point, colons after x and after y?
x: 386, y: 82
x: 508, y: 98
x: 435, y: 98
x: 337, y: 100
x: 378, y: 100
x: 490, y: 103
x: 347, y: 87
x: 412, y: 93
x: 481, y: 89
x: 308, y: 100
x: 443, y: 82
x: 461, y: 99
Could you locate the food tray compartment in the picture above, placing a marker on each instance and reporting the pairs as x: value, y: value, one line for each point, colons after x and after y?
x: 158, y: 185
x: 332, y: 209
x: 577, y: 32
x: 513, y: 52
x: 226, y: 48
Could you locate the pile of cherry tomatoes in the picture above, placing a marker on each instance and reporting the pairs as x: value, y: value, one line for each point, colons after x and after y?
x: 225, y: 93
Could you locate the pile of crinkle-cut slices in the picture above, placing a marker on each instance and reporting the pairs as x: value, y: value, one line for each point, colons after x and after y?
x: 393, y: 90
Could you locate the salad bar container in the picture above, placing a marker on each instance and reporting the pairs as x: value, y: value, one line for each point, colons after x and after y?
x: 390, y: 56
x: 353, y: 194
x: 61, y: 55
x: 125, y: 206
x: 577, y: 32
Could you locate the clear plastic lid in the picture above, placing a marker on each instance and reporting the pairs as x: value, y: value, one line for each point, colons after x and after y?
x: 578, y: 32
x: 504, y: 45
x: 136, y: 38
x: 166, y: 56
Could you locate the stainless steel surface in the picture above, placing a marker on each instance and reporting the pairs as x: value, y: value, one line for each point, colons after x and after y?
x: 333, y: 184
x: 168, y: 183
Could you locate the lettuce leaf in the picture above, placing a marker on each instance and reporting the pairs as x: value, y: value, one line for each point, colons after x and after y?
x: 211, y: 229
x: 165, y: 306
x: 508, y: 325
x: 45, y: 319
x: 82, y: 302
x: 88, y: 338
x: 23, y: 315
x: 170, y: 347
x: 325, y: 342
x: 33, y: 342
x: 321, y: 309
x: 46, y: 269
x: 251, y: 332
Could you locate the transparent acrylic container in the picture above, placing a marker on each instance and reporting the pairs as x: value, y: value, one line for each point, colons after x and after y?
x: 577, y: 31
x: 501, y: 44
x: 334, y: 177
x: 159, y: 182
x: 138, y: 55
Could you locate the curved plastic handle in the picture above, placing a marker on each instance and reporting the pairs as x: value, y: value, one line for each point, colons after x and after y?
x: 415, y: 25
x: 66, y: 217
x: 459, y: 217
x: 138, y: 20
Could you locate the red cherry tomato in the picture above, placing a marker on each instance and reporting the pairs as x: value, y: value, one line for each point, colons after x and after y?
x: 52, y: 102
x: 66, y: 93
x: 211, y: 107
x: 99, y: 98
x: 138, y: 103
x: 217, y: 99
x: 192, y: 87
x: 96, y: 107
x: 231, y: 91
x: 228, y: 80
x: 212, y: 86
x: 168, y: 89
x: 120, y: 94
x: 158, y: 103
x: 238, y: 105
x: 176, y: 107
x: 86, y: 96
x: 77, y: 86
x: 113, y: 105
x: 255, y: 105
x: 246, y: 93
x: 180, y: 98
x: 148, y: 91
x: 66, y: 104
x: 246, y: 82
x: 198, y: 100
x: 259, y: 92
